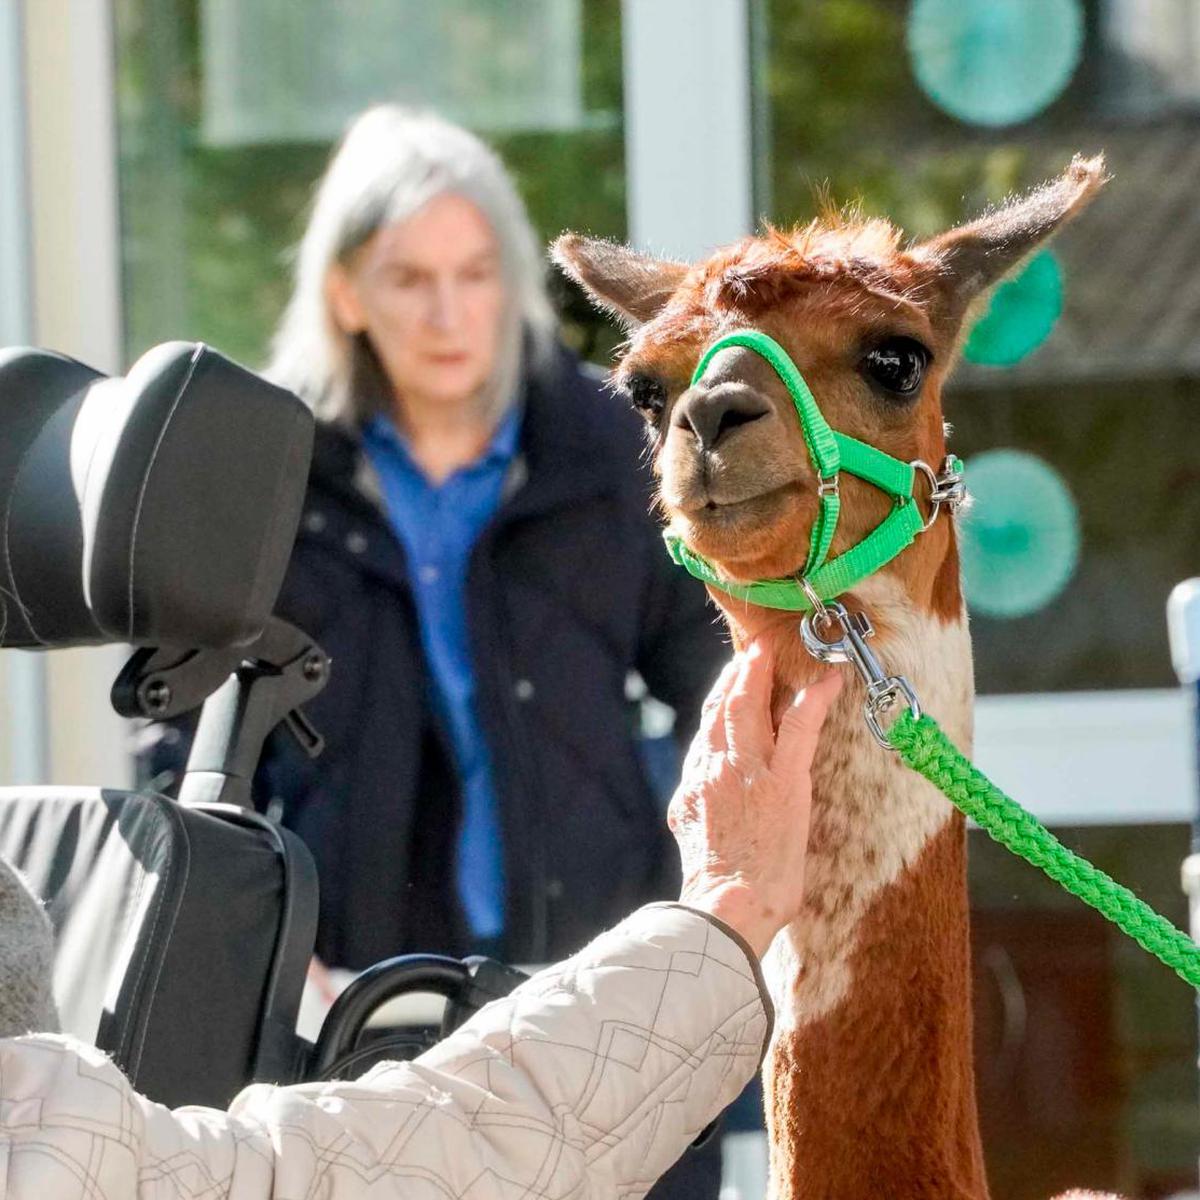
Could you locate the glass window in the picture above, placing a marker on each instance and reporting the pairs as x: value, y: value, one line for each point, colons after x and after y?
x: 1077, y: 408
x: 1076, y: 404
x: 1085, y: 1046
x: 227, y: 112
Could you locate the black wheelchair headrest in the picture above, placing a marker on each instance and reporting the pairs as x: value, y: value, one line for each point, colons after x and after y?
x: 155, y: 509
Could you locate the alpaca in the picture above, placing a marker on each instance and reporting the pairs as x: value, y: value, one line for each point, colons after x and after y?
x: 869, y: 1079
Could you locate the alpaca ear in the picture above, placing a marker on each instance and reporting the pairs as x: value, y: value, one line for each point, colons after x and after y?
x: 632, y: 286
x: 970, y: 258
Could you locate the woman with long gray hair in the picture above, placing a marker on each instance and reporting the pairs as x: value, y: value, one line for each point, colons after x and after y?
x: 392, y: 164
x: 478, y: 558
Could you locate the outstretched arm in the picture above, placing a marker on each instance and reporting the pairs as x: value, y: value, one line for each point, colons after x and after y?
x: 587, y: 1082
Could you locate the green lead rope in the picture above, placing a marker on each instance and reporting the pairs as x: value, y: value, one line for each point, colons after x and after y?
x: 928, y: 751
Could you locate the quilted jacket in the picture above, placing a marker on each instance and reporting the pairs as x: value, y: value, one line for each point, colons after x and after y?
x: 587, y: 1082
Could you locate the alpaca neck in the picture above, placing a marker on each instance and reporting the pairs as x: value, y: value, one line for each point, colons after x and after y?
x: 869, y: 1083
x: 872, y: 1092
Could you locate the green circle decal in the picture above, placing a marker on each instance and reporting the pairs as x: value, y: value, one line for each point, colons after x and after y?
x: 994, y: 62
x: 1022, y: 312
x: 1019, y: 539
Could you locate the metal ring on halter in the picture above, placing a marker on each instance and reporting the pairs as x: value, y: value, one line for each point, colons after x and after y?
x: 934, y: 487
x: 820, y: 612
x: 830, y: 486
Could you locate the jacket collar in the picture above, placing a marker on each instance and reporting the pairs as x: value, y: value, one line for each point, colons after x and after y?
x: 561, y: 460
x: 564, y: 451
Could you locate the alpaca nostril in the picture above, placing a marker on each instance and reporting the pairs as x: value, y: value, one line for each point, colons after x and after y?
x: 731, y: 418
x: 712, y: 415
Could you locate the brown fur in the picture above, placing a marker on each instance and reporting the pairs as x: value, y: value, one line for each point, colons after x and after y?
x: 889, y: 1062
x: 870, y: 1082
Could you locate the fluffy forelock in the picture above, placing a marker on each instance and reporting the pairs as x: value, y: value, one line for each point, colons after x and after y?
x: 756, y: 274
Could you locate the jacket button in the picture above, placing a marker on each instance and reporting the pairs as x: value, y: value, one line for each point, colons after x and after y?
x: 356, y: 542
x: 554, y: 889
x: 314, y: 521
x: 523, y: 689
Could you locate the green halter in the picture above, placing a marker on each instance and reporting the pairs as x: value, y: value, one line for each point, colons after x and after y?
x: 918, y: 738
x: 831, y: 453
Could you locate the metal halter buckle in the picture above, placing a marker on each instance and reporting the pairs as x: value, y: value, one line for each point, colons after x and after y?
x: 830, y: 486
x: 945, y: 489
x: 883, y: 690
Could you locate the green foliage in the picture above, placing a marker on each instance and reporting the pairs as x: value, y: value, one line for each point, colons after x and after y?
x: 848, y: 121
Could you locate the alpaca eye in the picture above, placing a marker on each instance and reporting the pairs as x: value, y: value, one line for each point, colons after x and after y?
x: 897, y: 365
x: 647, y: 395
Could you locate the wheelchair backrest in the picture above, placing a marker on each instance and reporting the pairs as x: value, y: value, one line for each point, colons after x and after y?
x: 157, y: 510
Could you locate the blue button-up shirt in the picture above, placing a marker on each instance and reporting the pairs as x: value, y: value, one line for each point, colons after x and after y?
x: 438, y: 524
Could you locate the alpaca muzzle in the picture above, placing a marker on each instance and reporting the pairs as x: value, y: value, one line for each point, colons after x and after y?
x: 821, y: 578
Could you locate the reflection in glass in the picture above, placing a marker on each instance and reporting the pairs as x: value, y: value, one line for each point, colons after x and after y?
x: 1019, y: 539
x: 1085, y: 1046
x: 1019, y: 316
x: 227, y: 111
x: 994, y: 62
x: 328, y: 60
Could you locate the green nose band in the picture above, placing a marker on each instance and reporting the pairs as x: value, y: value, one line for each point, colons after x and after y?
x: 831, y: 453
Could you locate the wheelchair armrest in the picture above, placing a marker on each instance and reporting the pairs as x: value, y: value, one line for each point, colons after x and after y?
x: 467, y: 984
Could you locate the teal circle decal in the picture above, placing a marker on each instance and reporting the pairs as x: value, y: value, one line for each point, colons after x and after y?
x: 1022, y: 312
x: 994, y: 62
x: 1019, y: 538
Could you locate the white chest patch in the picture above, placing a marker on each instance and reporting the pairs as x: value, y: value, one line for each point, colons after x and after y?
x: 871, y: 814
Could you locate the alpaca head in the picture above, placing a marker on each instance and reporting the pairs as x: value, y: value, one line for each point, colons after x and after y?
x: 873, y: 326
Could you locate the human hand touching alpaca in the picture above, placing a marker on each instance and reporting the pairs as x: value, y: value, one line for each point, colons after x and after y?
x: 741, y: 812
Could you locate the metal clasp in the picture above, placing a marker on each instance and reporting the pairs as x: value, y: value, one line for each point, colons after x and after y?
x: 946, y: 488
x: 850, y: 645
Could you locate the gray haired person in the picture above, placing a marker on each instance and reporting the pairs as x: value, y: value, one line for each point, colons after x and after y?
x: 391, y: 164
x: 478, y: 558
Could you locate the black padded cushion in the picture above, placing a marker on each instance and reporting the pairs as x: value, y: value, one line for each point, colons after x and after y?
x: 155, y: 509
x: 183, y: 934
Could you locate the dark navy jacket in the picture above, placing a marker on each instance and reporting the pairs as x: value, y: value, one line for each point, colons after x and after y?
x: 569, y: 590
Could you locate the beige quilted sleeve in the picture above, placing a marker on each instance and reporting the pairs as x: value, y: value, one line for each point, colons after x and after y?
x: 587, y: 1082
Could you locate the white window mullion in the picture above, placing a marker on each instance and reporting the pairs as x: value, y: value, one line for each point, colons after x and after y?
x: 68, y: 69
x: 1091, y: 758
x: 23, y: 733
x: 688, y: 160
